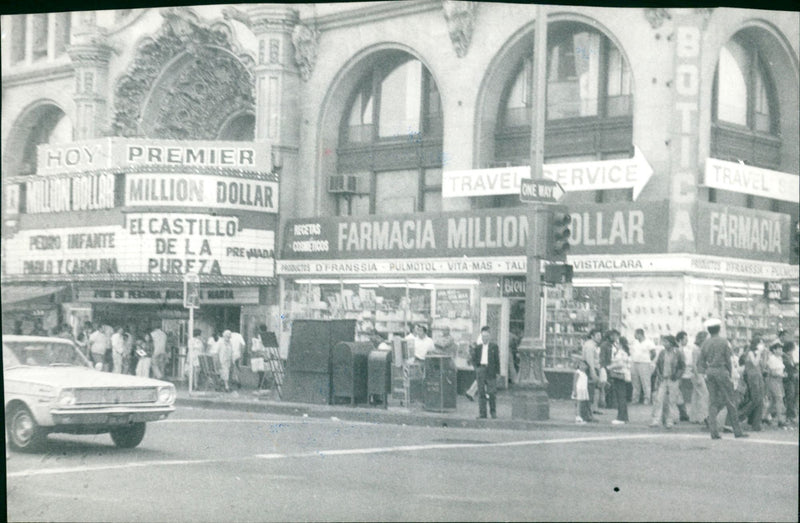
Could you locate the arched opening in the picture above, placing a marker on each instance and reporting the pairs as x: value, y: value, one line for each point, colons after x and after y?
x: 754, y: 81
x: 588, y: 104
x: 45, y: 123
x: 389, y: 140
x: 239, y: 128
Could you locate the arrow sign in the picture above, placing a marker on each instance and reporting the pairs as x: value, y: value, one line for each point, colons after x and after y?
x: 546, y: 191
x: 576, y: 176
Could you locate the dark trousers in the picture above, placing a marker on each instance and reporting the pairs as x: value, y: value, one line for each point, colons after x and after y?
x: 790, y: 397
x: 720, y: 396
x: 753, y: 407
x: 585, y: 410
x: 487, y: 385
x: 619, y: 391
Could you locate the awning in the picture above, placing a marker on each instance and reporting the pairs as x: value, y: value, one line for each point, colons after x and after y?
x: 17, y: 296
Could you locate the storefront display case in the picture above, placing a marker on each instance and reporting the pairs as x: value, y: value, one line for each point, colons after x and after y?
x: 571, y: 312
x: 390, y: 306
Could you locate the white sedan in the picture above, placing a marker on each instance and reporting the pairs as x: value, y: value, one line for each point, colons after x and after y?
x: 49, y: 386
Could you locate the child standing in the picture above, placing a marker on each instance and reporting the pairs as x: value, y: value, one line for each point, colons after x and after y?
x: 580, y: 393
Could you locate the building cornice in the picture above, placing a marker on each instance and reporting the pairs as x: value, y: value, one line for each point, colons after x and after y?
x: 372, y: 14
x: 38, y: 75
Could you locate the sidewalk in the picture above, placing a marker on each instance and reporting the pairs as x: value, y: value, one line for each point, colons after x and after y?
x: 562, y: 412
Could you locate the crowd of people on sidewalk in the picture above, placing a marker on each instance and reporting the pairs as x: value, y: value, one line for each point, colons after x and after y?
x: 689, y: 382
x: 147, y: 352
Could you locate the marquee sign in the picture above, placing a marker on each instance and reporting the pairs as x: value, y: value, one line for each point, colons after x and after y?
x: 147, y: 243
x: 128, y: 153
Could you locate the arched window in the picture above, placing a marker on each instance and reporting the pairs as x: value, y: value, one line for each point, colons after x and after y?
x: 389, y: 158
x: 588, y: 105
x: 744, y: 108
x: 52, y: 126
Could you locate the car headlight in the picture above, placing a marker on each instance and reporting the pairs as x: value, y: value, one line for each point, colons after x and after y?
x: 66, y: 398
x: 166, y: 394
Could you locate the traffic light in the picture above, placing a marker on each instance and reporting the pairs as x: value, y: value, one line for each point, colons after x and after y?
x: 558, y: 232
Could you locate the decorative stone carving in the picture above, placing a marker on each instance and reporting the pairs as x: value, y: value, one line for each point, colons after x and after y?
x: 656, y: 16
x: 232, y: 13
x: 206, y: 79
x: 460, y: 17
x: 306, y: 45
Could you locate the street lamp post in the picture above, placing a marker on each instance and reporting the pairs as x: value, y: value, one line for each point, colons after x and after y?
x: 529, y: 398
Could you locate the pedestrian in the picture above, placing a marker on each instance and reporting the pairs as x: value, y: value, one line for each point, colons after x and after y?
x: 225, y: 353
x: 590, y: 352
x: 610, y: 340
x: 83, y: 338
x: 752, y: 408
x: 776, y: 372
x: 619, y: 375
x: 685, y: 384
x: 669, y: 369
x: 195, y: 348
x: 642, y: 353
x: 698, y: 410
x: 715, y: 363
x: 580, y: 393
x: 485, y: 357
x: 790, y: 382
x: 422, y: 343
x: 117, y: 350
x: 128, y: 367
x: 97, y: 348
x: 378, y: 341
x: 160, y: 357
x: 213, y: 341
x: 144, y: 352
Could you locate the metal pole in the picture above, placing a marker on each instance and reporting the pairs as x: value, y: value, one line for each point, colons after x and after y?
x: 189, y: 350
x: 530, y: 399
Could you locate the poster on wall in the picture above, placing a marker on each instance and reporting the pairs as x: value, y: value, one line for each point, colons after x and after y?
x: 453, y: 303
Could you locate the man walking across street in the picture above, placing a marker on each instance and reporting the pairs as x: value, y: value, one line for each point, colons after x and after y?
x: 669, y: 369
x: 642, y: 350
x: 485, y: 357
x: 715, y: 362
x: 117, y: 350
x: 97, y: 347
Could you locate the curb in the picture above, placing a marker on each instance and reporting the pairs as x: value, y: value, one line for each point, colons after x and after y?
x: 422, y: 419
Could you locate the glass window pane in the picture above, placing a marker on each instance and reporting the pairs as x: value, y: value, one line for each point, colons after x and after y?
x: 401, y: 95
x: 573, y: 75
x: 39, y: 35
x: 433, y: 201
x: 734, y: 65
x: 762, y: 117
x: 517, y: 113
x: 18, y: 30
x: 433, y: 177
x: 396, y: 192
x: 619, y: 84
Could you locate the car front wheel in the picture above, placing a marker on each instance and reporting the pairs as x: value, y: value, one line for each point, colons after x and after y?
x: 23, y: 431
x: 129, y: 436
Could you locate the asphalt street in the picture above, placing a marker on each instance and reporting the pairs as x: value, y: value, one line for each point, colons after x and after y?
x: 216, y: 465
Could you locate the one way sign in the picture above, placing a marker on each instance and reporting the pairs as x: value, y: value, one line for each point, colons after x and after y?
x: 541, y: 190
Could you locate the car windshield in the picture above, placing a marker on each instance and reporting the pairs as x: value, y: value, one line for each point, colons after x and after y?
x: 42, y: 354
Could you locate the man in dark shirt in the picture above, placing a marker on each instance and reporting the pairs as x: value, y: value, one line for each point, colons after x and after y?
x: 715, y: 363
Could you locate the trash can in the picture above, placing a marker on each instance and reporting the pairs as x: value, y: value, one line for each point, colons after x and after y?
x: 379, y: 376
x: 349, y: 371
x: 440, y: 383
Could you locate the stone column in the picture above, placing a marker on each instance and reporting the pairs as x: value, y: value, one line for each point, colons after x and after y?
x: 90, y: 56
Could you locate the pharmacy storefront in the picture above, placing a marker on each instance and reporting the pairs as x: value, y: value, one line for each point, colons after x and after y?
x: 461, y: 270
x: 118, y: 223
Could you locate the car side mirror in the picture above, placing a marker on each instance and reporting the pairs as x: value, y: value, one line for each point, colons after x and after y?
x: 98, y: 366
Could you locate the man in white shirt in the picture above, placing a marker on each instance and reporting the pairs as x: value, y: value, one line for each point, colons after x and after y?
x: 159, y: 352
x: 238, y: 344
x: 642, y: 354
x: 97, y: 346
x: 422, y: 343
x: 117, y: 350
